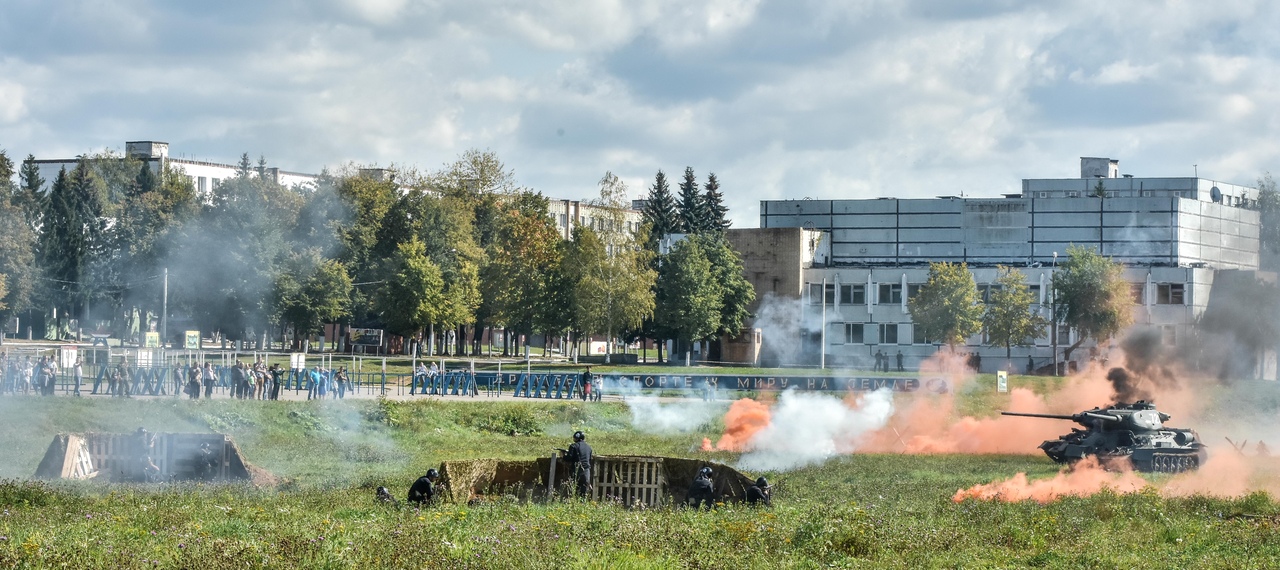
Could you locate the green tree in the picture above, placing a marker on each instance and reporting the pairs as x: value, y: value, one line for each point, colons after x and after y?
x: 309, y: 292
x: 1009, y: 320
x: 713, y: 206
x: 71, y: 227
x: 1092, y: 296
x: 521, y: 257
x: 614, y: 279
x: 17, y: 259
x: 947, y: 308
x: 413, y: 296
x: 29, y: 196
x: 692, y: 215
x: 689, y: 295
x: 736, y: 292
x: 1269, y: 217
x: 1099, y: 190
x: 660, y: 211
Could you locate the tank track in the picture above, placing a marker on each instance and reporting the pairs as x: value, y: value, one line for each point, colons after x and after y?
x: 1166, y: 462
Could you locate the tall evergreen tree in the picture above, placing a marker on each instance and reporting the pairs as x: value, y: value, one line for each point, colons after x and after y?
x: 713, y: 206
x: 6, y: 173
x: 692, y: 216
x: 29, y: 196
x: 660, y: 210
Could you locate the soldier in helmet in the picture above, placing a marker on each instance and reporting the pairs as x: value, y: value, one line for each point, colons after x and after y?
x: 423, y: 491
x: 579, y: 456
x: 384, y: 496
x: 760, y: 493
x: 701, y: 492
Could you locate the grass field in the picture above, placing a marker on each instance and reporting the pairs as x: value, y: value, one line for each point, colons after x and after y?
x: 860, y: 511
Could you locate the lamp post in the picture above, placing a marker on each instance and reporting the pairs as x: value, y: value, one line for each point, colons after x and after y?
x: 1053, y: 316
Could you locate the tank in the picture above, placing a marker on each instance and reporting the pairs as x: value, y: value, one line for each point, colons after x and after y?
x: 1133, y: 432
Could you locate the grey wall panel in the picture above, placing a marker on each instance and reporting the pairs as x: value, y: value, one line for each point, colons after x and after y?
x: 931, y: 206
x: 927, y: 250
x: 1121, y: 219
x: 1068, y: 234
x: 1067, y: 205
x: 798, y: 221
x: 864, y: 234
x: 862, y: 249
x: 866, y: 221
x: 1164, y: 235
x: 864, y: 206
x: 930, y: 220
x: 931, y: 235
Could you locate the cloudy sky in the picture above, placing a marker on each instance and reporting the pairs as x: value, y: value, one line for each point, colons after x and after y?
x: 781, y: 99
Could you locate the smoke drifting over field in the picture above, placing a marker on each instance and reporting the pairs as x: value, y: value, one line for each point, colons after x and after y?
x: 929, y: 421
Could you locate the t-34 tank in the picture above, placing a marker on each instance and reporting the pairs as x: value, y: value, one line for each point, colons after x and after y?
x: 1131, y: 431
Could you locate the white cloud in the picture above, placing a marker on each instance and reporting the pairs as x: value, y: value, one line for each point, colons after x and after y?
x: 13, y: 105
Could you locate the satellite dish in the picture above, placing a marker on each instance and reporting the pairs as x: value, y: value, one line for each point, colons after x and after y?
x: 1216, y: 195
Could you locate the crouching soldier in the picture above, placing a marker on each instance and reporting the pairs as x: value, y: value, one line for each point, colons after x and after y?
x: 423, y: 491
x: 760, y: 493
x: 701, y: 492
x: 384, y: 497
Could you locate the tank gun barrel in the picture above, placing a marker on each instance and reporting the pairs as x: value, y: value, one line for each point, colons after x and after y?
x: 1081, y: 417
x: 1030, y: 415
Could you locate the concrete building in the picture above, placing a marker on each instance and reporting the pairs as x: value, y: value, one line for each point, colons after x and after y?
x: 205, y: 176
x: 1174, y: 235
x: 569, y: 214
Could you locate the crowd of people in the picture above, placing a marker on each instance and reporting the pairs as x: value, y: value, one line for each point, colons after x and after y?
x: 27, y: 375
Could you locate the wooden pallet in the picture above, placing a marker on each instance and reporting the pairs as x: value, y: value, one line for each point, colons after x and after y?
x: 633, y: 481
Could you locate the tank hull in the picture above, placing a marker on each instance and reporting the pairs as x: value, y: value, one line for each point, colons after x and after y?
x: 1164, y: 451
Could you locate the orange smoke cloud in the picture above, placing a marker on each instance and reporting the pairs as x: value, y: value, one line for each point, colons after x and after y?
x: 1084, y: 478
x: 744, y: 418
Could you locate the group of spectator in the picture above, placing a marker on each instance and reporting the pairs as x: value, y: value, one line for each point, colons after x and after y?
x: 27, y: 375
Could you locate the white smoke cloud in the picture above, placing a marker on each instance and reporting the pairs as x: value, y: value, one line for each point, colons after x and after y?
x: 806, y: 429
x: 650, y: 416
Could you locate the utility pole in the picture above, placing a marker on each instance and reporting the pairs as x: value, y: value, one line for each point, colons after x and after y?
x: 164, y: 312
x: 823, y: 338
x: 1053, y: 290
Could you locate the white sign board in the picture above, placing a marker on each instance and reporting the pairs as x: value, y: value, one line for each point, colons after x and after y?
x: 297, y: 360
x: 68, y: 356
x: 1002, y: 381
x: 143, y: 359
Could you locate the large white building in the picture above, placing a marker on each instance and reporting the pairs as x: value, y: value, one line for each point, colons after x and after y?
x: 205, y: 176
x: 1174, y: 236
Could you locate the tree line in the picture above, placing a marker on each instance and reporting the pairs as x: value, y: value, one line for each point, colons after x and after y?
x: 462, y: 249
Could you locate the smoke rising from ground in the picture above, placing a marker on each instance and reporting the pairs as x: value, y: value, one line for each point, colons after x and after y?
x: 649, y: 415
x: 776, y: 319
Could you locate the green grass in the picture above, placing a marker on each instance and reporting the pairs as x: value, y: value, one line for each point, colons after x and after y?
x: 860, y: 511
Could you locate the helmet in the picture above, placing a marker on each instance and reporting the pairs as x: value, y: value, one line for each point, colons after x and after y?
x: 433, y: 474
x: 704, y: 472
x: 762, y: 482
x: 579, y: 436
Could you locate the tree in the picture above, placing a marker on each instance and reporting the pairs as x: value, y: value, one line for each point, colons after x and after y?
x: 413, y: 295
x: 660, y: 211
x: 692, y: 215
x: 29, y: 195
x: 614, y: 279
x: 1269, y: 217
x: 17, y: 259
x: 1009, y: 320
x: 690, y: 297
x: 947, y: 308
x: 522, y: 253
x: 713, y: 206
x: 736, y: 292
x: 310, y: 291
x: 71, y: 229
x: 1099, y: 190
x: 1092, y: 296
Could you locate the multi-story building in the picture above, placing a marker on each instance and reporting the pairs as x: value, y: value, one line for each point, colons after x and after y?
x: 205, y: 176
x: 569, y: 214
x: 1174, y: 236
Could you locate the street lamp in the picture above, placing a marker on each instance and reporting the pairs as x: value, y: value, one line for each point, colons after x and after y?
x: 1053, y: 316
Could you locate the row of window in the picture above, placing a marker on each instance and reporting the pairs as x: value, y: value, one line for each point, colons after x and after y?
x: 891, y: 333
x: 891, y: 293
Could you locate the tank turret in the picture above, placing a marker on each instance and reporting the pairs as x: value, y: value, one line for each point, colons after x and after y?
x: 1130, y: 432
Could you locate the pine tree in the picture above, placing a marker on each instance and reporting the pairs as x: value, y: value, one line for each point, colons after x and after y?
x: 145, y: 181
x: 660, y: 210
x: 28, y: 196
x: 245, y: 167
x: 713, y: 206
x: 692, y: 216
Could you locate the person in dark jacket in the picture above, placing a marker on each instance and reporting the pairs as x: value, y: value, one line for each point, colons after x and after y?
x: 423, y: 491
x: 579, y: 456
x: 701, y: 492
x: 760, y: 493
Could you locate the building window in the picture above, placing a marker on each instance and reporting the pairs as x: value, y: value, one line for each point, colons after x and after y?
x: 853, y: 333
x: 986, y: 292
x: 1073, y: 194
x: 890, y: 294
x: 1138, y: 290
x: 853, y: 294
x: 564, y: 220
x: 202, y: 184
x: 912, y: 291
x: 1035, y: 292
x: 889, y: 333
x: 1169, y: 294
x: 1044, y: 194
x: 917, y: 335
x: 831, y: 294
x: 1169, y: 335
x: 216, y: 183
